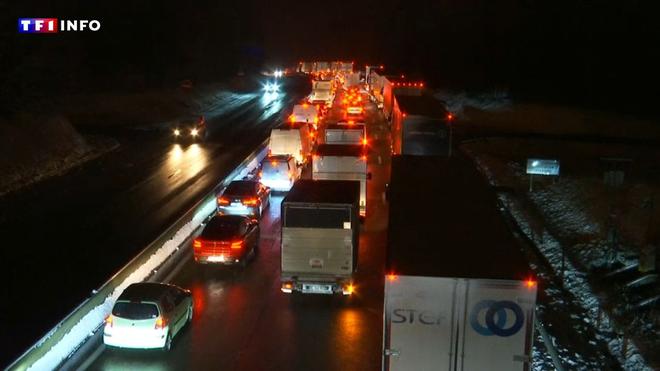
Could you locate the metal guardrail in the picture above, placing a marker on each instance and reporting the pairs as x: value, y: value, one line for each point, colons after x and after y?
x: 52, y: 338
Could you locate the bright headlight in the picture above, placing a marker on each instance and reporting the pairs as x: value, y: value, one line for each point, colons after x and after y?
x: 193, y: 132
x: 177, y: 132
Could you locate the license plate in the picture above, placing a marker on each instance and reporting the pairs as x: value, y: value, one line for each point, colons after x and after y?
x: 236, y: 204
x: 216, y: 259
x: 316, y: 288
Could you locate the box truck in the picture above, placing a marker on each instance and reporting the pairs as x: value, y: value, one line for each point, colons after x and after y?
x: 307, y: 113
x: 291, y: 139
x: 320, y: 237
x: 342, y: 162
x: 420, y: 126
x: 459, y: 294
x: 345, y: 133
x: 322, y: 92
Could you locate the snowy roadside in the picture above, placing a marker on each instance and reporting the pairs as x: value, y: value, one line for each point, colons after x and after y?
x: 555, y: 220
x: 96, y: 147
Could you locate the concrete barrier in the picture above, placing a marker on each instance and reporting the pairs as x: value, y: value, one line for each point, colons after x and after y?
x: 34, y: 357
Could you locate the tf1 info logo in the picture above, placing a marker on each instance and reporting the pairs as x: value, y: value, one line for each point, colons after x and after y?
x: 54, y: 25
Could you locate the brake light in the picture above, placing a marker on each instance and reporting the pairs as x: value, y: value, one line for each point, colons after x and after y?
x: 109, y: 320
x: 292, y: 118
x: 160, y: 323
x: 311, y: 134
x: 392, y: 277
x: 197, y: 244
x: 348, y: 289
x: 250, y: 202
x: 450, y: 116
x: 364, y: 158
x: 237, y: 244
x: 364, y: 141
x: 223, y: 201
x: 530, y: 283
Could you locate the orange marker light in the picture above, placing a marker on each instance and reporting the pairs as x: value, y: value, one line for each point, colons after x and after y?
x: 530, y: 283
x: 391, y: 277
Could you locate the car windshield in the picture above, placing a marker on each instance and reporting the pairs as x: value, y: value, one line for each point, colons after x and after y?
x: 221, y: 228
x: 240, y: 188
x: 131, y: 310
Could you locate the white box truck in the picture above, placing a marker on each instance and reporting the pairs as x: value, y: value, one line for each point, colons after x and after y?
x: 307, y: 113
x: 320, y: 237
x: 322, y: 92
x: 345, y: 133
x: 342, y: 162
x: 459, y: 294
x: 291, y: 139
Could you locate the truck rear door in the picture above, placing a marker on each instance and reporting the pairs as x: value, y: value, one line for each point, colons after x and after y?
x: 433, y: 323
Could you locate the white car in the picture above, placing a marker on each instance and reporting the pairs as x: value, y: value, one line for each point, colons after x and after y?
x: 148, y: 315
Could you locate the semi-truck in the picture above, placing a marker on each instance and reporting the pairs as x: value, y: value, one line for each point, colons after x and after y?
x: 320, y: 237
x: 342, y: 162
x: 459, y: 294
x: 420, y: 126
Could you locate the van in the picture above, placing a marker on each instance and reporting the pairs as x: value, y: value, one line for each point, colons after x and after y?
x: 279, y: 172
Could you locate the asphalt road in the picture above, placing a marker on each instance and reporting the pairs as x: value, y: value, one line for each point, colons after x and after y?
x: 64, y: 237
x: 244, y: 322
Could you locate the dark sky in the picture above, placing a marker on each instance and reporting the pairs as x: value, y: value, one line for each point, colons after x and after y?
x: 585, y: 52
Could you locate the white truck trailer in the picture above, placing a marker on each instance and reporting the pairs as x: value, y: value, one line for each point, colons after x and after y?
x: 459, y: 294
x: 320, y: 237
x: 342, y: 162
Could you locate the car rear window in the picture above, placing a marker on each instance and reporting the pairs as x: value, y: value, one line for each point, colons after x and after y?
x: 222, y: 229
x: 133, y: 310
x: 240, y: 188
x: 302, y: 217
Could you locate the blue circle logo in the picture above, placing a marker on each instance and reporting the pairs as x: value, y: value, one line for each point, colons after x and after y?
x: 496, y: 318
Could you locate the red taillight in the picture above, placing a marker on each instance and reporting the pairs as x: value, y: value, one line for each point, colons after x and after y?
x: 237, y: 244
x: 292, y: 118
x: 109, y: 320
x: 391, y: 277
x: 450, y: 116
x: 223, y: 201
x: 530, y: 283
x: 364, y: 141
x: 160, y: 323
x: 250, y: 202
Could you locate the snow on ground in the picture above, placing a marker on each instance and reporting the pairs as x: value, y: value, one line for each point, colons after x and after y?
x: 92, y: 320
x: 35, y: 147
x: 458, y: 101
x: 570, y: 215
